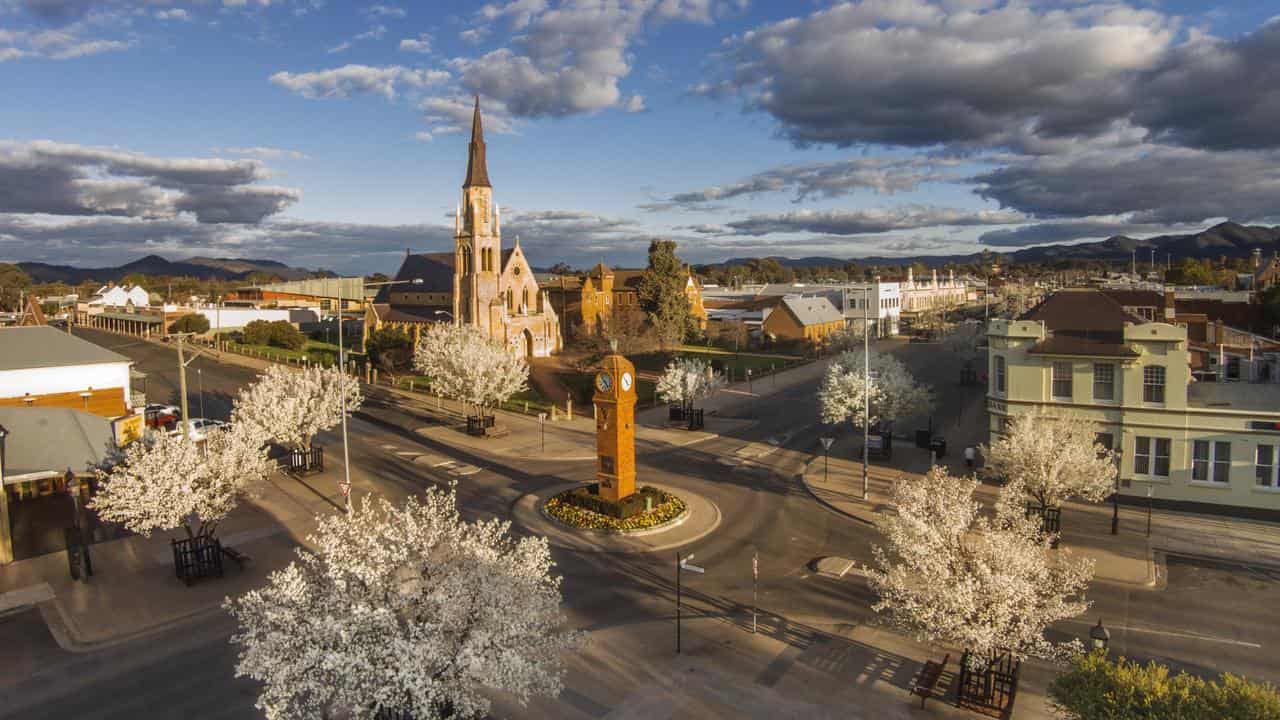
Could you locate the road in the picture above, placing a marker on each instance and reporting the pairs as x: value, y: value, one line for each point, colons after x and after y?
x: 1209, y: 619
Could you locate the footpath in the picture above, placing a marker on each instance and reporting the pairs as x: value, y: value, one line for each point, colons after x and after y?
x: 1131, y: 557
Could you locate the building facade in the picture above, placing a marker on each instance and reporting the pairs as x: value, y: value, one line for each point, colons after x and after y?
x: 479, y: 283
x: 933, y: 294
x: 588, y: 303
x: 803, y: 319
x: 43, y: 367
x: 1199, y: 445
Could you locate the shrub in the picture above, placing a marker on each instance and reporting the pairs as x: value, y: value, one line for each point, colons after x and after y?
x: 257, y: 332
x: 581, y: 508
x: 190, y: 323
x: 280, y: 333
x: 390, y: 349
x: 1097, y: 689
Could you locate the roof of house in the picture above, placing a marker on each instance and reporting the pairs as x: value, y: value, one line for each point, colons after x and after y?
x: 435, y: 270
x: 1136, y: 298
x: 412, y: 313
x: 40, y: 347
x: 53, y: 440
x: 812, y: 310
x: 1082, y: 322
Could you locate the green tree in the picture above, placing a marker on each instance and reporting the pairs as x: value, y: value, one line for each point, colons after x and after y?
x: 257, y: 332
x: 190, y: 323
x: 1095, y: 688
x: 13, y: 283
x: 561, y: 268
x: 662, y: 294
x: 285, y: 335
x: 390, y: 349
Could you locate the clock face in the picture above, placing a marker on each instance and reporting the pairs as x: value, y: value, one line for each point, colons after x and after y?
x: 604, y: 382
x: 626, y: 381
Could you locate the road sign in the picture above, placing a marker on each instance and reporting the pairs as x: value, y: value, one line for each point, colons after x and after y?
x: 826, y: 442
x: 684, y: 565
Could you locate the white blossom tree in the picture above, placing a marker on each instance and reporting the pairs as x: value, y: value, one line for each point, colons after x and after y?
x: 463, y: 363
x: 404, y: 610
x: 847, y: 339
x: 291, y: 406
x: 163, y: 481
x: 1053, y: 458
x: 951, y: 575
x: 894, y: 393
x: 965, y: 341
x: 687, y: 380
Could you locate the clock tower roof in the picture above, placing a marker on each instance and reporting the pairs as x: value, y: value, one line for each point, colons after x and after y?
x: 477, y: 169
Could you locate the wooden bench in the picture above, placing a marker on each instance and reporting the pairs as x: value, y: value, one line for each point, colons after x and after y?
x: 238, y: 557
x: 929, y: 677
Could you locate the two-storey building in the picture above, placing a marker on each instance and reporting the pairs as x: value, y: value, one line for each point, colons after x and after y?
x: 1191, y: 444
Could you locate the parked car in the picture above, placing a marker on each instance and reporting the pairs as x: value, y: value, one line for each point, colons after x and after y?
x: 161, y: 416
x: 197, y: 428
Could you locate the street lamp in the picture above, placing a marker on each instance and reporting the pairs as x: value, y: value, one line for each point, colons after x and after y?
x: 1099, y: 637
x: 200, y: 380
x: 342, y: 367
x: 866, y: 387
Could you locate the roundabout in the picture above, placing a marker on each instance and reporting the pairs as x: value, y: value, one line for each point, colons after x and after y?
x: 698, y: 519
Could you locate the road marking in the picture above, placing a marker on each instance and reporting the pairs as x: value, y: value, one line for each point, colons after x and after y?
x: 462, y: 470
x: 1170, y: 633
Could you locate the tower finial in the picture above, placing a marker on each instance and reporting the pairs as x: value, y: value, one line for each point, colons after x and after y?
x: 477, y: 170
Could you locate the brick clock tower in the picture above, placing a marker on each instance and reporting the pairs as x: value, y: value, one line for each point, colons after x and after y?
x: 615, y: 401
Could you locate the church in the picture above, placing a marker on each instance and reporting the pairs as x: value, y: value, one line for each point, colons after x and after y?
x: 479, y: 283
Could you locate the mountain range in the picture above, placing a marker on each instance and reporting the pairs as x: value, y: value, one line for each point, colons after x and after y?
x: 203, y: 268
x: 1229, y: 239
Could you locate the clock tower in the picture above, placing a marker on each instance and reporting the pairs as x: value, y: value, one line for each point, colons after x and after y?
x: 615, y: 401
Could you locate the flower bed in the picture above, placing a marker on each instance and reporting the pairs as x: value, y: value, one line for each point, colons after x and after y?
x: 666, y: 507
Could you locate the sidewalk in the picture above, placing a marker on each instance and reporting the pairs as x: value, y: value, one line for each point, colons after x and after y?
x: 133, y: 591
x: 1130, y: 557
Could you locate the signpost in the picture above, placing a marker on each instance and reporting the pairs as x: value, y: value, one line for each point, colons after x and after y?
x: 542, y: 423
x: 755, y: 587
x: 826, y: 453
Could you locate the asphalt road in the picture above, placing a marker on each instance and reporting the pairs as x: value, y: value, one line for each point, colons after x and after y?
x: 1209, y: 619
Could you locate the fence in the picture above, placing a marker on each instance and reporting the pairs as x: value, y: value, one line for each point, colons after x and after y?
x: 301, y: 462
x: 1050, y: 520
x: 478, y: 424
x: 197, y: 557
x: 990, y: 690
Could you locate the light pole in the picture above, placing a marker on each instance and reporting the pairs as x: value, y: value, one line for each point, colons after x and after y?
x: 542, y: 424
x: 866, y: 388
x: 200, y: 380
x: 1099, y: 637
x: 682, y: 563
x: 1150, y: 490
x: 342, y: 392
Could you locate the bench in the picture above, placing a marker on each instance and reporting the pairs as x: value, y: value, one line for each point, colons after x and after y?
x: 236, y: 556
x: 929, y: 677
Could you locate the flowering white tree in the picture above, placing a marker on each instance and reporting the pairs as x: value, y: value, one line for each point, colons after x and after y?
x: 463, y: 363
x: 291, y: 406
x: 894, y: 392
x: 162, y: 481
x: 687, y: 380
x: 404, y: 610
x: 1052, y: 458
x: 849, y: 338
x: 965, y: 341
x: 951, y: 575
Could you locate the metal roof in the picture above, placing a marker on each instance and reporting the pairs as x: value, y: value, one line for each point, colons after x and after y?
x: 352, y: 288
x: 38, y: 347
x: 53, y: 440
x: 812, y: 310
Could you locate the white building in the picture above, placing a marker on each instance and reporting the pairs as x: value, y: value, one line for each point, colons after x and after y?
x: 121, y: 296
x: 881, y: 310
x: 933, y: 294
x: 44, y: 367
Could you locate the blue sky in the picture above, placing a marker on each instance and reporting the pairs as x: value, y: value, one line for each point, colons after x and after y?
x: 328, y: 134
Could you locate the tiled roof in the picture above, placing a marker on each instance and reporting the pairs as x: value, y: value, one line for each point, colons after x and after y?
x: 812, y: 310
x: 1082, y: 322
x: 435, y: 269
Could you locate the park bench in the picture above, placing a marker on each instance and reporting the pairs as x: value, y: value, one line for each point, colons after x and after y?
x: 929, y: 677
x: 236, y: 556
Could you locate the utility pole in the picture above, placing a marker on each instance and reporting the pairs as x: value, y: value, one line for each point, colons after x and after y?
x: 182, y: 386
x: 342, y: 393
x: 866, y: 389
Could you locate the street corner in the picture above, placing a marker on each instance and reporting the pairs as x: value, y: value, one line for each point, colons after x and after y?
x: 700, y: 519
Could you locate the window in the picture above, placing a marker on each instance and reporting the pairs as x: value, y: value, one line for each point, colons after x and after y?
x: 511, y: 301
x: 1200, y: 461
x: 1104, y: 381
x: 1211, y: 461
x: 1062, y: 380
x: 1153, y: 384
x: 524, y: 300
x: 1000, y: 377
x: 1151, y: 456
x: 1106, y: 440
x: 1222, y: 462
x: 1264, y: 468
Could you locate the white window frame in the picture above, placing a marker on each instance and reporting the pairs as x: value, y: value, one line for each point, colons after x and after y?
x: 1148, y: 373
x: 1110, y: 368
x: 1152, y: 456
x: 1211, y: 462
x: 1264, y: 474
x: 1054, y: 380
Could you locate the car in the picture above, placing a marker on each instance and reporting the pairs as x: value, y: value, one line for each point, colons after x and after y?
x: 197, y: 428
x: 161, y: 416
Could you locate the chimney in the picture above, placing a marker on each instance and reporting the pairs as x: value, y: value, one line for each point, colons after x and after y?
x: 911, y: 282
x: 935, y: 277
x: 1170, y: 311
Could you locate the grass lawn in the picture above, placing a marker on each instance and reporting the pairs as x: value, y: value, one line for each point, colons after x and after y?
x: 720, y: 360
x: 315, y: 351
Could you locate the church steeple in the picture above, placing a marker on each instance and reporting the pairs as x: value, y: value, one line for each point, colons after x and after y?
x: 477, y: 170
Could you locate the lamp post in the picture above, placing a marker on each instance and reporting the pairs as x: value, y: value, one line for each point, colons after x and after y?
x: 342, y: 367
x: 866, y: 388
x: 200, y: 381
x: 826, y: 452
x: 1099, y: 637
x: 1150, y: 490
x: 542, y: 425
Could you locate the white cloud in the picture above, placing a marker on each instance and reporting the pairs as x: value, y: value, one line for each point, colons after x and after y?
x: 261, y: 152
x: 453, y: 115
x: 634, y: 104
x: 351, y: 80
x: 385, y: 11
x: 869, y: 221
x: 173, y: 14
x: 420, y: 44
x: 340, y: 47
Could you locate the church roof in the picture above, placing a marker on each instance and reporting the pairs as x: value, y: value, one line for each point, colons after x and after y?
x: 435, y: 269
x: 477, y: 169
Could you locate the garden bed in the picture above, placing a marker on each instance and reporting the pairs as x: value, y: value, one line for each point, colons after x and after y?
x: 573, y: 508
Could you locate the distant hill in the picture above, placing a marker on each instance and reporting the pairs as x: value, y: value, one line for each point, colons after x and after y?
x: 202, y: 268
x: 1229, y: 239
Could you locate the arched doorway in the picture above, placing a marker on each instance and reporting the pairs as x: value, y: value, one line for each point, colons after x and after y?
x: 528, y: 343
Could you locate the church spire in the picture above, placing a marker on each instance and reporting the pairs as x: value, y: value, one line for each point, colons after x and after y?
x: 477, y: 171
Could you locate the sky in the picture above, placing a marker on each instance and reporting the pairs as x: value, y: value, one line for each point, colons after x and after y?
x: 333, y: 135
